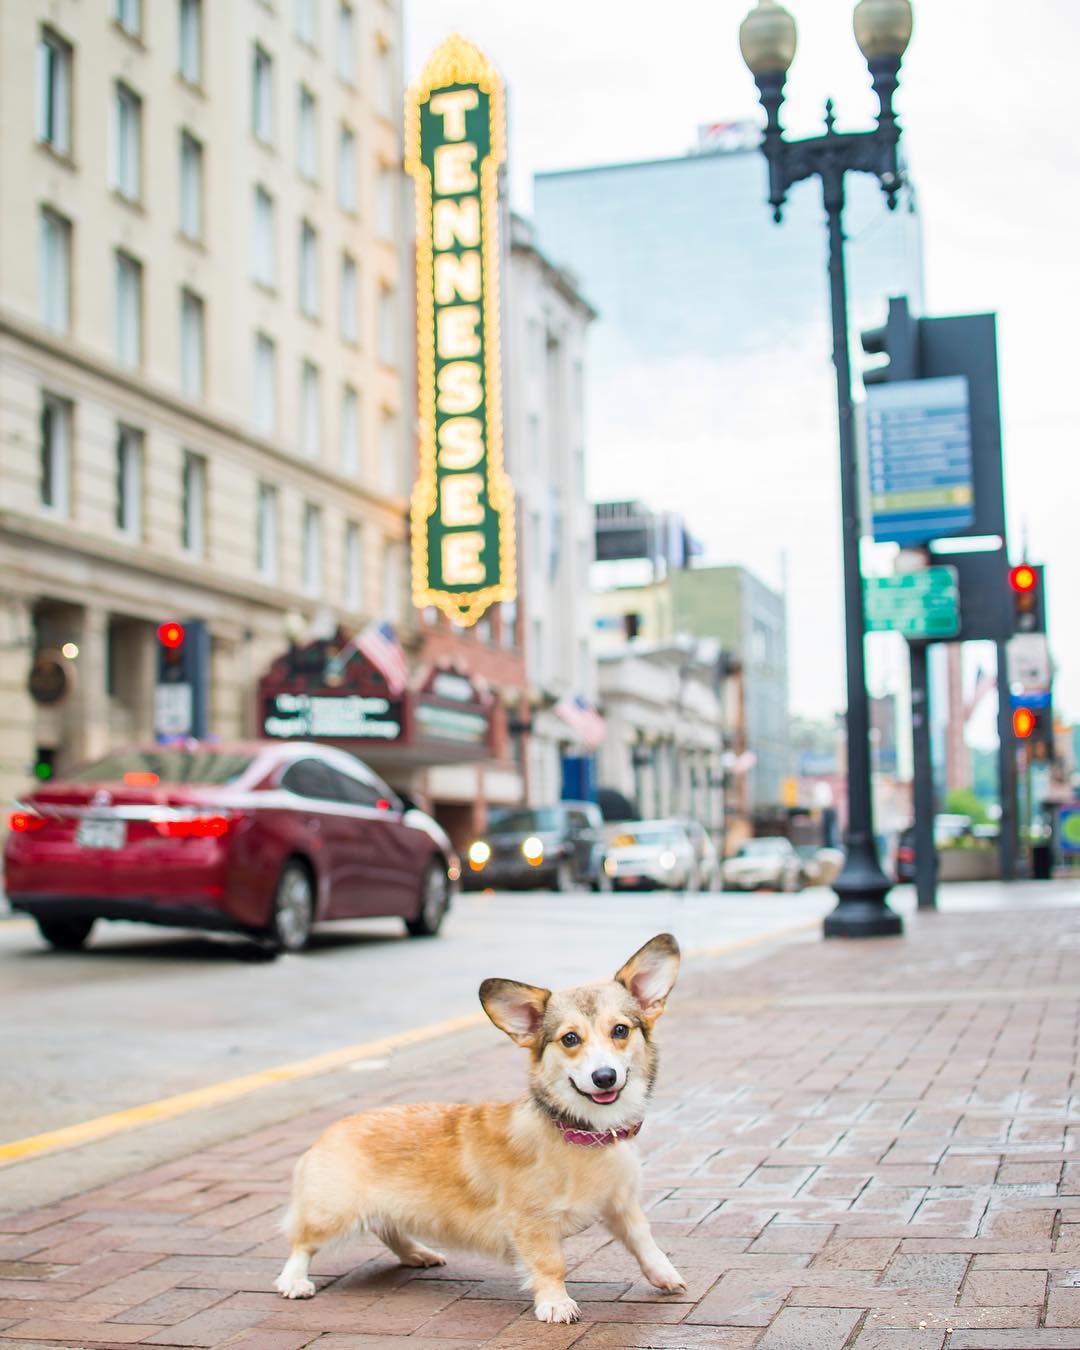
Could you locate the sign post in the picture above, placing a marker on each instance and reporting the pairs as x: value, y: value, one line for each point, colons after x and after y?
x: 462, y: 507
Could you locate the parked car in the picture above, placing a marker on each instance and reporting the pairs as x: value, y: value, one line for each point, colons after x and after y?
x: 558, y: 846
x: 821, y: 866
x: 769, y: 862
x: 650, y: 854
x: 257, y: 838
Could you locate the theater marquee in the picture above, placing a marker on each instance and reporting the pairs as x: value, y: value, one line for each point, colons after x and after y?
x: 463, y: 505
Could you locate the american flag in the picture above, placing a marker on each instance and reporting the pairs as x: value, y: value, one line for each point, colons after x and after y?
x: 985, y: 680
x: 583, y: 719
x: 379, y: 644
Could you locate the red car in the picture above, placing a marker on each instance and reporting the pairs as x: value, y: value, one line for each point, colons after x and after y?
x: 256, y: 838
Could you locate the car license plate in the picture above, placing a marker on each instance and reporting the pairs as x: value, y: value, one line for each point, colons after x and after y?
x: 101, y: 833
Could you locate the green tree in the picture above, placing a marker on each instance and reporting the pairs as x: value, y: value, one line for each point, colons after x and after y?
x: 964, y: 802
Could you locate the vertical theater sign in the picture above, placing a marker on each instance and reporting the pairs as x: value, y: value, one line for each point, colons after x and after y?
x: 462, y: 506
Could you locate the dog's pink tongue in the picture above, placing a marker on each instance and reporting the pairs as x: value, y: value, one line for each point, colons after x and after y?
x: 604, y: 1097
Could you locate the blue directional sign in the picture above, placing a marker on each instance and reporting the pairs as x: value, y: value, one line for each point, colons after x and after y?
x: 919, y: 452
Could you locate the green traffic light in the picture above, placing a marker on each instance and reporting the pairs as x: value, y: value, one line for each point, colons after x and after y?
x: 43, y: 771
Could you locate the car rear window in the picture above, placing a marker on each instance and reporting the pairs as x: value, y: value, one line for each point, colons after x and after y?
x: 167, y: 764
x: 519, y: 822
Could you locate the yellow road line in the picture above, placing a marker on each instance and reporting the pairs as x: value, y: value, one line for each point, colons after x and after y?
x: 167, y: 1108
x: 755, y: 939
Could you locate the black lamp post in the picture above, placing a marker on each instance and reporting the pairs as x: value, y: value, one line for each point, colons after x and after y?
x: 767, y: 41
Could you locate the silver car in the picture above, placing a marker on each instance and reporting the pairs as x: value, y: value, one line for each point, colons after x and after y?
x: 647, y: 854
x: 766, y: 863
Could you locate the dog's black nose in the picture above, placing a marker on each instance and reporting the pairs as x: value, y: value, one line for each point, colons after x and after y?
x: 604, y: 1078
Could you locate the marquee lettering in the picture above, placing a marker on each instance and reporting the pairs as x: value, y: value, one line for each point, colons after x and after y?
x: 462, y: 507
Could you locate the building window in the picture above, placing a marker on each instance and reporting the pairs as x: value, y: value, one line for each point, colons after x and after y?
x: 312, y: 550
x: 309, y: 410
x: 54, y: 92
x: 304, y: 14
x: 387, y: 325
x: 54, y: 484
x: 191, y: 173
x: 349, y: 299
x: 389, y: 458
x: 128, y: 14
x: 127, y: 143
x: 346, y: 43
x: 129, y: 482
x: 263, y: 252
x: 391, y: 578
x: 54, y: 271
x: 262, y: 95
x: 309, y: 270
x: 508, y: 615
x: 266, y: 533
x: 347, y: 178
x: 192, y: 344
x: 353, y: 581
x: 264, y: 386
x: 128, y: 310
x: 190, y: 56
x: 385, y: 202
x: 193, y: 505
x: 350, y: 430
x: 384, y: 82
x: 307, y: 138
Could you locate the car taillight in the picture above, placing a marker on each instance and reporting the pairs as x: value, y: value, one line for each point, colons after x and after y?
x: 194, y: 827
x: 905, y: 855
x: 25, y: 822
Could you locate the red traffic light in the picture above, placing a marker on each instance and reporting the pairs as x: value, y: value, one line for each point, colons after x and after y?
x: 1023, y: 723
x: 1022, y: 578
x: 171, y: 635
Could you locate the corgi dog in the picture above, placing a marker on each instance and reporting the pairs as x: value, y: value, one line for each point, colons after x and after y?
x: 512, y: 1179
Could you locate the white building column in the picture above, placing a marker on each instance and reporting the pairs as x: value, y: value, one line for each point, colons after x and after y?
x: 16, y: 706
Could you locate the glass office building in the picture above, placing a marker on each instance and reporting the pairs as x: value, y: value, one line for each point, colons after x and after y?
x: 711, y: 386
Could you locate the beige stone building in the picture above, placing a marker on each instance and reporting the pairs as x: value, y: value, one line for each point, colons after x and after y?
x: 203, y: 339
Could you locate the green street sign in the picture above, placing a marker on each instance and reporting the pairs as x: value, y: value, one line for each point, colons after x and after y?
x: 919, y: 605
x: 463, y: 504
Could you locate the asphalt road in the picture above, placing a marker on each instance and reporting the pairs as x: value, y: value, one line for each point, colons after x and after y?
x: 144, y: 1013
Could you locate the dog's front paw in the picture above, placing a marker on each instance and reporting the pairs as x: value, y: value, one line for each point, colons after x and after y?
x: 294, y: 1288
x: 666, y: 1278
x: 558, y: 1310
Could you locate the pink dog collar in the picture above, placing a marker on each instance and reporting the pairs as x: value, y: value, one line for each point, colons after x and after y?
x: 591, y: 1138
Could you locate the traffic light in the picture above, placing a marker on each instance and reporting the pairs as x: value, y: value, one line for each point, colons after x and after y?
x: 898, y: 340
x: 181, y: 698
x: 1029, y: 600
x: 1023, y: 722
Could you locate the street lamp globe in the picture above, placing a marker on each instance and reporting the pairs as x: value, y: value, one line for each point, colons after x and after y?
x: 767, y: 39
x: 882, y: 28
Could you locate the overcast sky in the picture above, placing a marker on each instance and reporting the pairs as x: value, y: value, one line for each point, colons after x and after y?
x: 987, y: 101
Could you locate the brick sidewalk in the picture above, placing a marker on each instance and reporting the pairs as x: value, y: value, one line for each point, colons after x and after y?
x: 864, y: 1145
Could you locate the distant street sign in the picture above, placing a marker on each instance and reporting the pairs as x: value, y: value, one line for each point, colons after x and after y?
x: 1029, y: 661
x: 1069, y: 829
x: 919, y: 605
x: 919, y: 448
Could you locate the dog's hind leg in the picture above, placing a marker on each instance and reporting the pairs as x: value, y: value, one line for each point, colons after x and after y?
x: 320, y: 1213
x: 408, y: 1251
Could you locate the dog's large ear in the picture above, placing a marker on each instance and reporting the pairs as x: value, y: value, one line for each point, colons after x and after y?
x: 517, y: 1009
x: 650, y: 974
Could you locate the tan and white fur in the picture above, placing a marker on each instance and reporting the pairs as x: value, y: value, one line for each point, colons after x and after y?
x: 500, y: 1178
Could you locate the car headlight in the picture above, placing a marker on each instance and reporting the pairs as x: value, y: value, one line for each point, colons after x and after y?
x: 479, y: 854
x: 667, y: 860
x: 611, y: 867
x: 532, y: 849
